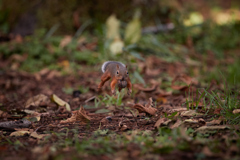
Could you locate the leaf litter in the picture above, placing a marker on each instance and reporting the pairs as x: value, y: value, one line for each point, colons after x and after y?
x: 157, y: 119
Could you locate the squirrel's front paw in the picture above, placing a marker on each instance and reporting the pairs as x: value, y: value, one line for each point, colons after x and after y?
x: 114, y: 92
x: 129, y: 91
x: 99, y: 89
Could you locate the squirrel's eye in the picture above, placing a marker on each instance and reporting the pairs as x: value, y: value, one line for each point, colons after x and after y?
x: 117, y: 72
x: 127, y: 72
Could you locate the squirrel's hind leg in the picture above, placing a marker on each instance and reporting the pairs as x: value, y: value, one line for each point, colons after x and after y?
x: 105, y: 77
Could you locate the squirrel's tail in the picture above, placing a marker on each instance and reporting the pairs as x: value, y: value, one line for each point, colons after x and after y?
x: 104, y: 66
x: 107, y: 62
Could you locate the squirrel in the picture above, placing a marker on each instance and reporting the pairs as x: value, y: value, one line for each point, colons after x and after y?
x: 119, y: 74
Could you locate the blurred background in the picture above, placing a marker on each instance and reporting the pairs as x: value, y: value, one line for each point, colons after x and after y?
x: 64, y: 34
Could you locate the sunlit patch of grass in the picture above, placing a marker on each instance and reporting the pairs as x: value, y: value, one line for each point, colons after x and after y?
x: 226, y: 100
x: 109, y: 100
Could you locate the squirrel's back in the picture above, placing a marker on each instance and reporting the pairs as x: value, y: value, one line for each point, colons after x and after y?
x: 105, y: 64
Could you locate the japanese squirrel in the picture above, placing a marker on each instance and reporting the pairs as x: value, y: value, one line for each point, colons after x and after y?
x: 119, y: 74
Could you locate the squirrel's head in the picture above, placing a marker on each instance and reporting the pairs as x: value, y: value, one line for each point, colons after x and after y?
x: 122, y: 75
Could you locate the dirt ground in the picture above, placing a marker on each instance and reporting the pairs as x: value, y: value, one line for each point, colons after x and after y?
x: 17, y: 87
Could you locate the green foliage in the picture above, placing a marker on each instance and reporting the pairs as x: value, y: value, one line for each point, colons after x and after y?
x: 68, y: 90
x: 43, y: 50
x: 138, y: 77
x: 227, y: 100
x: 111, y: 100
x: 171, y: 116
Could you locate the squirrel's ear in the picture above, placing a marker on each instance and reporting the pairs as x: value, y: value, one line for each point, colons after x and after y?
x: 117, y: 66
x: 126, y: 66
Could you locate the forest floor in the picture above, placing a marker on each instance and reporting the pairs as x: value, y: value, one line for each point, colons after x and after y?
x: 173, y: 116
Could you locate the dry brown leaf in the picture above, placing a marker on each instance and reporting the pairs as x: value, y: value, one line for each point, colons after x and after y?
x: 179, y: 109
x: 38, y: 136
x: 19, y: 133
x: 65, y: 41
x: 207, y: 129
x: 152, y: 72
x: 214, y: 122
x: 148, y: 108
x: 36, y: 100
x: 150, y: 89
x: 122, y: 127
x: 167, y: 122
x: 201, y: 121
x: 80, y: 116
x: 182, y: 78
x: 52, y: 74
x: 177, y: 124
x: 160, y: 122
x: 193, y: 123
x: 235, y: 111
x: 190, y: 113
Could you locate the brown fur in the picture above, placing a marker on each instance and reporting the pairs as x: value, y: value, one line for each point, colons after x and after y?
x: 118, y: 73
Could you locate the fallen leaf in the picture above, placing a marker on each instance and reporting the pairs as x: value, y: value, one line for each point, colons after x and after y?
x: 60, y: 102
x: 148, y: 108
x: 177, y: 124
x: 167, y: 122
x: 202, y: 121
x: 214, y: 122
x: 122, y: 127
x: 182, y: 78
x: 235, y: 111
x: 36, y: 100
x: 30, y: 112
x: 52, y: 74
x: 80, y: 116
x: 190, y: 113
x: 38, y: 136
x: 190, y: 121
x: 193, y: 123
x: 206, y: 129
x: 19, y: 133
x: 160, y: 122
x: 149, y: 89
x: 65, y: 41
x: 44, y: 71
x: 179, y: 109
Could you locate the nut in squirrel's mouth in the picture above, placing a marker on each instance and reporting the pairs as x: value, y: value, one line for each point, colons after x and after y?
x: 122, y: 84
